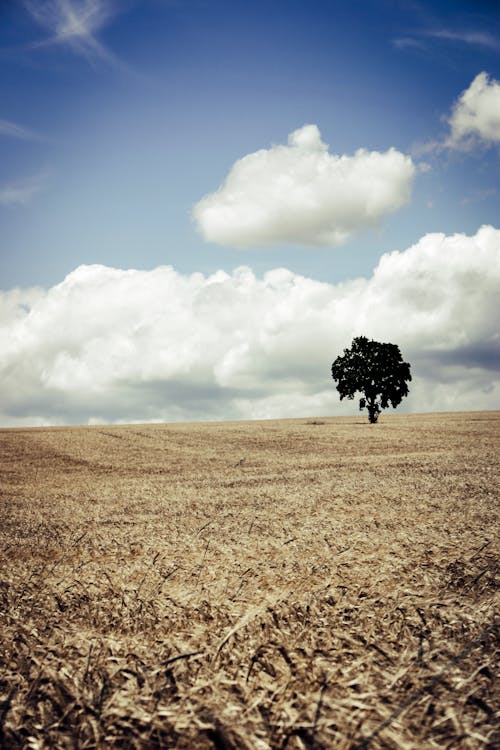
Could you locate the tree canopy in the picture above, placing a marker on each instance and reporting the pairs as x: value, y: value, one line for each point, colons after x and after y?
x: 375, y: 370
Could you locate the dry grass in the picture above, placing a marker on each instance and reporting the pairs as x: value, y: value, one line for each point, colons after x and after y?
x: 295, y: 584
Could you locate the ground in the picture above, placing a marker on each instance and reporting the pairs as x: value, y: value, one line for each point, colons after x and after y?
x: 308, y: 583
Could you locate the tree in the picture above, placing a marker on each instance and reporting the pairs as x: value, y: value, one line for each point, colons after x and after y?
x: 375, y: 370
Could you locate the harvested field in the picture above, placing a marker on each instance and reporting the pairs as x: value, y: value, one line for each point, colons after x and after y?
x: 291, y: 584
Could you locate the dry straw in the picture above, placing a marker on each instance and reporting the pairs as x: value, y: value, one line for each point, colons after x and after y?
x: 258, y: 586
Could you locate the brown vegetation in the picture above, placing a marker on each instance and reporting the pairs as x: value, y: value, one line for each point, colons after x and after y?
x: 267, y: 585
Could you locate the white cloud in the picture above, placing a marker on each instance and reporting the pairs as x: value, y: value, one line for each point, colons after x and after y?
x: 476, y: 114
x: 111, y: 345
x: 302, y: 194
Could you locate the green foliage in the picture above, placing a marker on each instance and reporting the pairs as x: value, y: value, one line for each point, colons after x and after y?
x: 375, y: 370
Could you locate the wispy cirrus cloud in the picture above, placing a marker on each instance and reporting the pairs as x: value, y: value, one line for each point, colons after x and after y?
x: 20, y: 192
x: 479, y: 195
x: 420, y: 40
x: 10, y: 129
x: 75, y: 24
x: 408, y: 42
x: 475, y: 38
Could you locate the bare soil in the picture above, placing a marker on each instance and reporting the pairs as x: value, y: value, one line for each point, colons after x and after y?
x: 312, y: 583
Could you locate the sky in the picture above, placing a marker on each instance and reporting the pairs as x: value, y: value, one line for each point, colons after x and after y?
x: 203, y: 202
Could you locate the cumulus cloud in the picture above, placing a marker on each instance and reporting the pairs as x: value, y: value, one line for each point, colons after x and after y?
x: 299, y: 193
x: 112, y: 345
x: 475, y: 115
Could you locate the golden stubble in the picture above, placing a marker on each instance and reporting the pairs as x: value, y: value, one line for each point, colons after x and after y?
x: 319, y: 583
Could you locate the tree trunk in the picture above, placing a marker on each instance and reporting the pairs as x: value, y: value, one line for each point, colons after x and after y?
x: 373, y: 412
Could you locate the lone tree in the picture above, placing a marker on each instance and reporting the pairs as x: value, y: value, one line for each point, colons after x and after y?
x: 375, y: 370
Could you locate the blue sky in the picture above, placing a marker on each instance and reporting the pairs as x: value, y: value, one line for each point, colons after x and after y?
x: 117, y: 119
x: 127, y: 140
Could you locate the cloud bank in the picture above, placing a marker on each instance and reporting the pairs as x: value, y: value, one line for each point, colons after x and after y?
x: 301, y: 194
x: 476, y: 114
x: 111, y: 345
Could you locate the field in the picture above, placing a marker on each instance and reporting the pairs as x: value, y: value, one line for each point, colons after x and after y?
x: 319, y: 583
